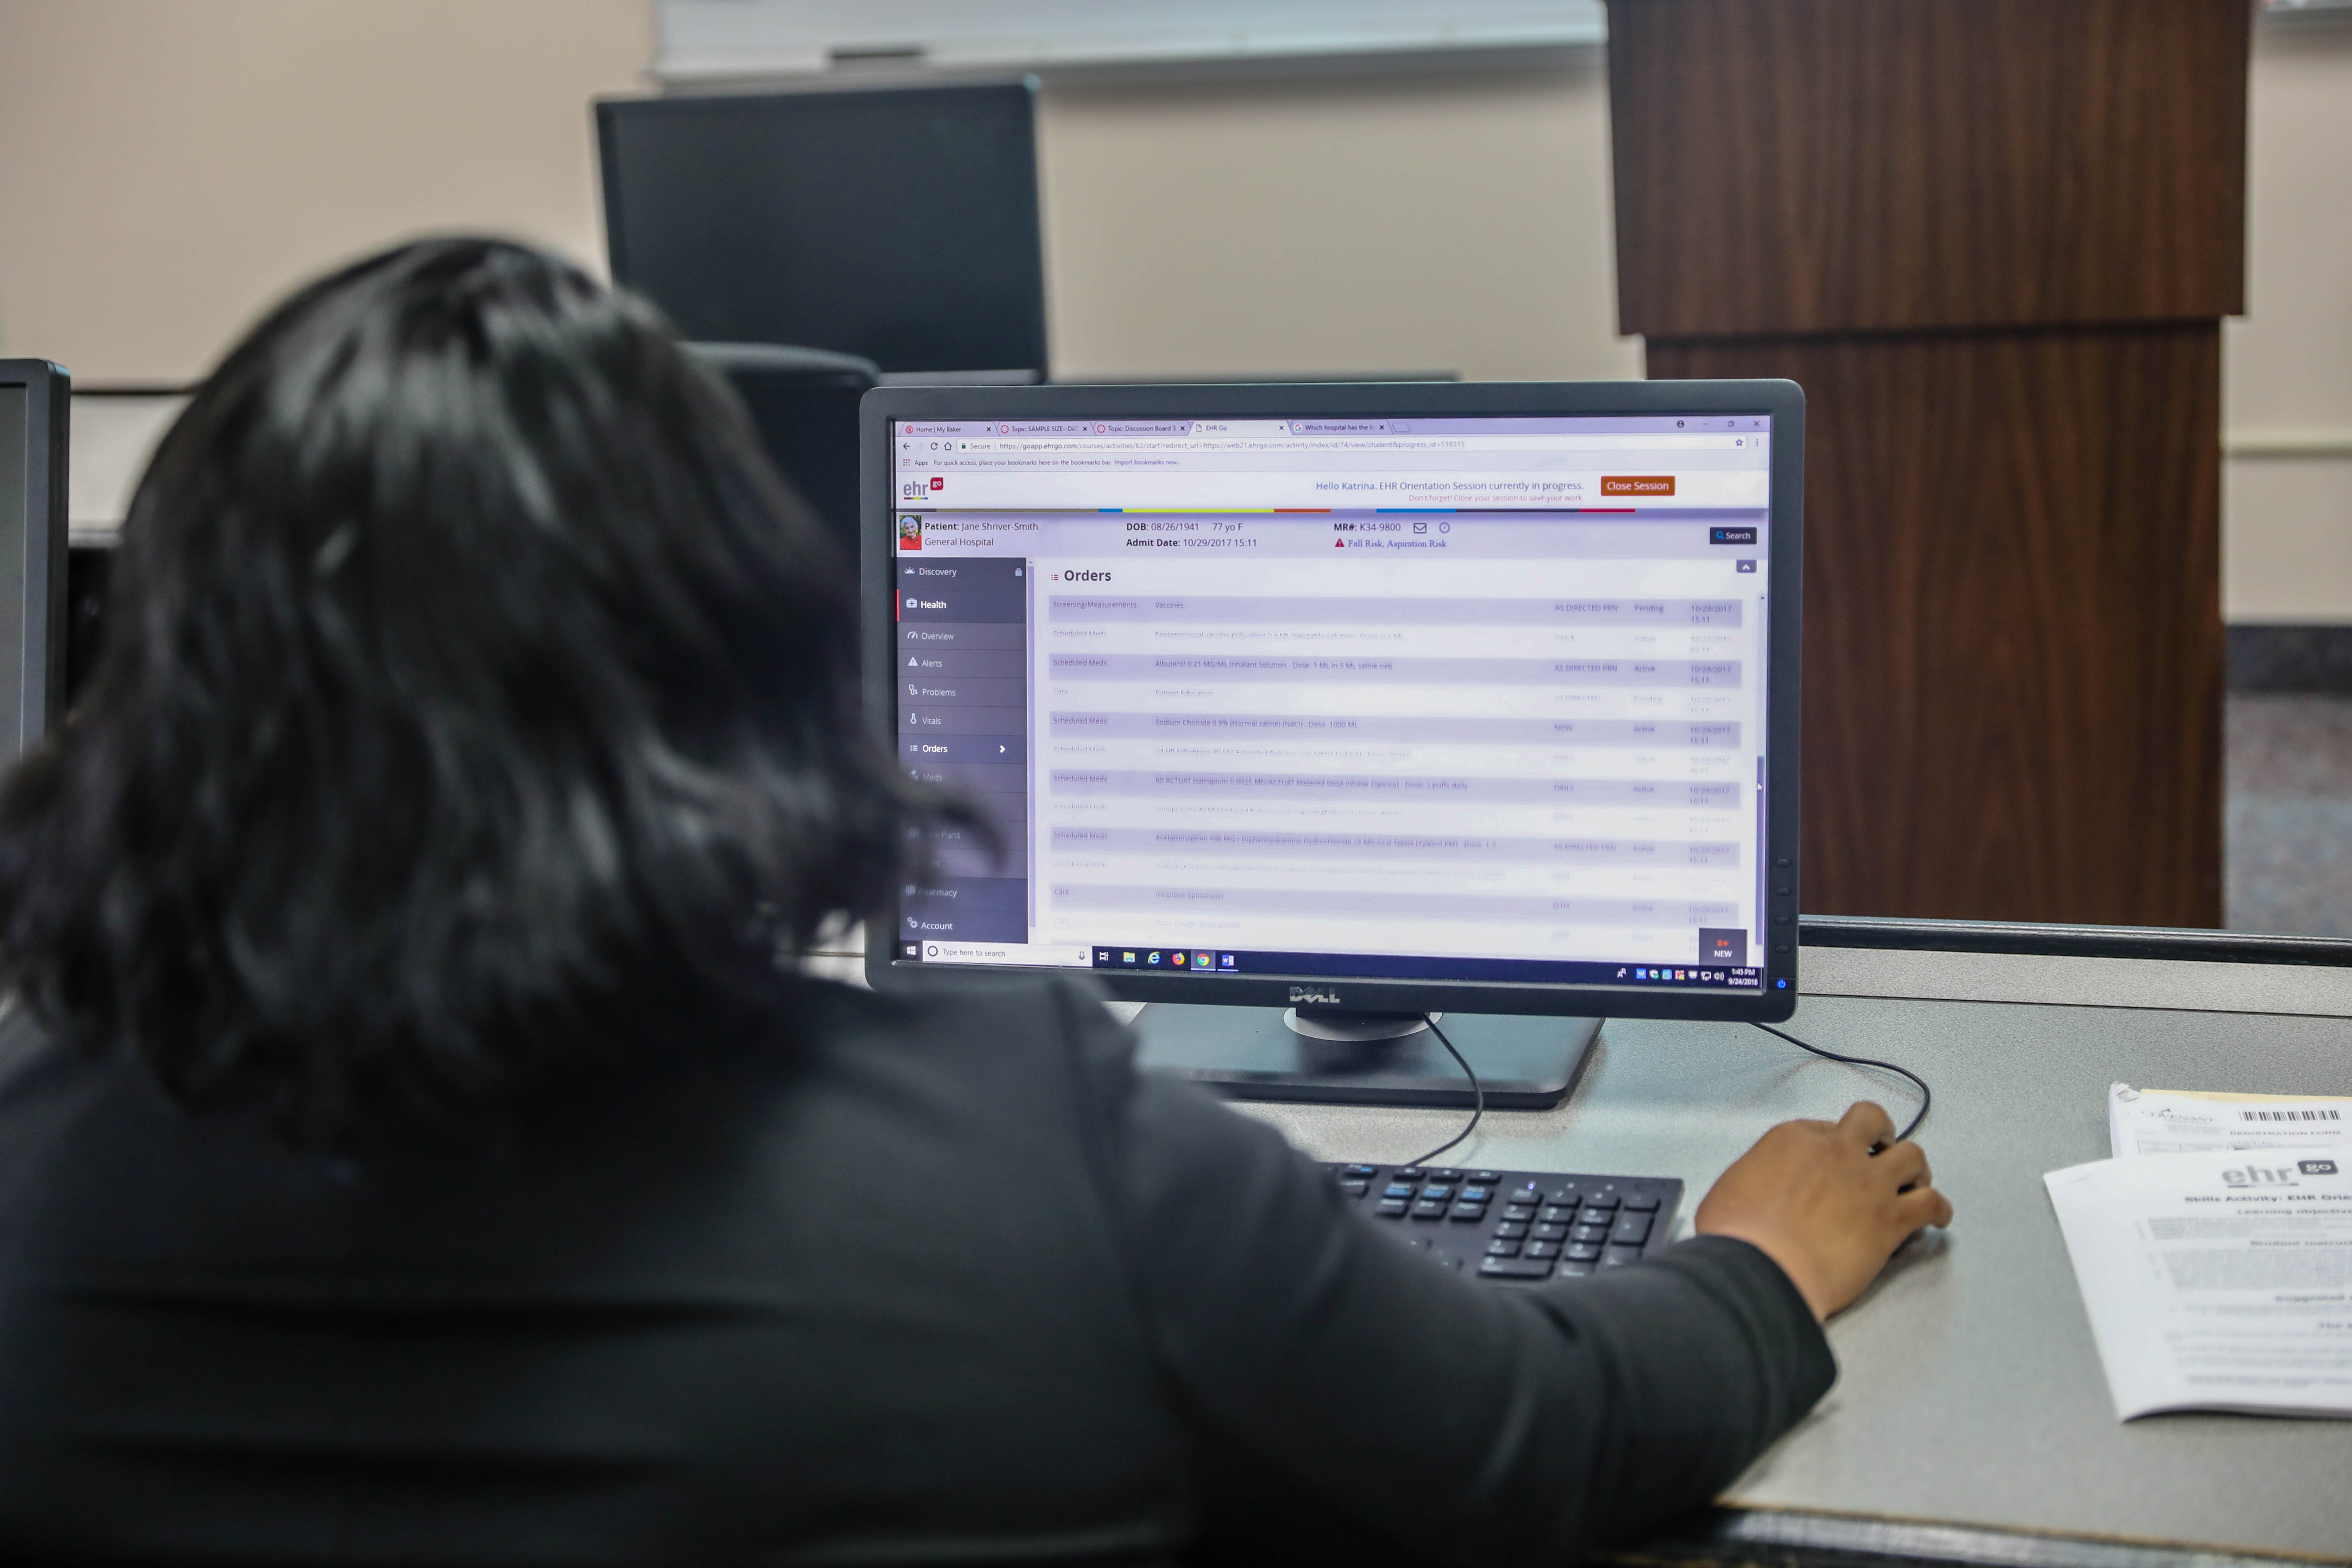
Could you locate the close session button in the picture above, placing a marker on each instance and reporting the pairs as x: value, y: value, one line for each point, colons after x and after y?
x: 1731, y: 535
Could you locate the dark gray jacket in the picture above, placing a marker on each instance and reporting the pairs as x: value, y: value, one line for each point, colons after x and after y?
x: 912, y: 1279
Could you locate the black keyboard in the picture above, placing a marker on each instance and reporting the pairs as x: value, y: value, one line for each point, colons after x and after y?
x: 1518, y: 1224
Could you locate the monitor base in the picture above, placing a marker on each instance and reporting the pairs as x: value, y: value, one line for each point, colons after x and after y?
x: 1262, y: 1053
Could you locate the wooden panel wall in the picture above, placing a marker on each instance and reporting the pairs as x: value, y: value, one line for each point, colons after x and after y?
x: 1790, y: 166
x: 2013, y: 652
x: 1992, y: 239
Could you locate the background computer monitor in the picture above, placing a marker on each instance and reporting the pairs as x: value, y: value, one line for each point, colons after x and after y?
x: 1390, y: 499
x: 34, y: 404
x: 898, y: 225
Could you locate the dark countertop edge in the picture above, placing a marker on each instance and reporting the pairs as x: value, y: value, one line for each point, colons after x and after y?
x: 1778, y: 1538
x: 2176, y: 943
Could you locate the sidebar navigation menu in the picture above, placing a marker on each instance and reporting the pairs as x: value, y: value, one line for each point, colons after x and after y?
x: 963, y: 723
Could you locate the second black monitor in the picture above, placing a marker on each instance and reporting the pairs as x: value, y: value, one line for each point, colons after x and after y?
x: 900, y: 225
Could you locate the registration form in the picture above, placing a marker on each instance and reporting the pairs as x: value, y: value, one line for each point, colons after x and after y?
x: 2180, y: 1121
x: 2218, y: 1280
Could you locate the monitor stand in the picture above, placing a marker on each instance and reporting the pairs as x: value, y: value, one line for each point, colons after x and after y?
x: 1333, y: 1056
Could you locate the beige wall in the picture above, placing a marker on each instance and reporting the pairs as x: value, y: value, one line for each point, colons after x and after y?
x: 181, y: 162
x: 1445, y: 221
x: 168, y: 167
x: 2287, y: 537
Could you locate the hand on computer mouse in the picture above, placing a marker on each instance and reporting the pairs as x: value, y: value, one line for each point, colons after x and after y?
x: 1814, y: 1197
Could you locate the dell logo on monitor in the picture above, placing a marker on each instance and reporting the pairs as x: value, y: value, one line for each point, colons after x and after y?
x: 1326, y: 998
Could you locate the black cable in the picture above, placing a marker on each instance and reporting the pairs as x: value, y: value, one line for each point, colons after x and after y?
x: 1478, y: 1108
x: 1926, y: 1096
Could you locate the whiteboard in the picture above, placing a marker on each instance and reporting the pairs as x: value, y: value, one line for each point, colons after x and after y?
x: 704, y: 39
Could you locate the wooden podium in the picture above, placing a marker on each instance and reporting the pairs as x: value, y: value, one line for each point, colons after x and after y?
x: 1994, y: 240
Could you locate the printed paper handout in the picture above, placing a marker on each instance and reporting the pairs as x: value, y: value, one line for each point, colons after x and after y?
x: 2176, y: 1122
x: 2216, y: 1280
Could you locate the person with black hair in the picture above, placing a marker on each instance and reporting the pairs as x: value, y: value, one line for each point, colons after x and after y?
x: 419, y: 1143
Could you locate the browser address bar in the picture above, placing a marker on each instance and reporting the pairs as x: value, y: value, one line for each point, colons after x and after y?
x: 1097, y: 444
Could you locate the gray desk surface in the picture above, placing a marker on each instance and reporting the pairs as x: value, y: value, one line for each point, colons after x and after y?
x: 1969, y: 1390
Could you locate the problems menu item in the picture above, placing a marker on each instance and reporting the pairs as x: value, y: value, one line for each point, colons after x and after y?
x: 2218, y: 1280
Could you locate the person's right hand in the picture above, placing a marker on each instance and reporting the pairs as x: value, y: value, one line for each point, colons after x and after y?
x: 1812, y: 1197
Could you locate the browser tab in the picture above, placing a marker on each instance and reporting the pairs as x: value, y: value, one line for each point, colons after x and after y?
x: 1262, y: 427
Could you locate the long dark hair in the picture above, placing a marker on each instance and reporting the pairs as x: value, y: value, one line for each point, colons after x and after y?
x: 474, y: 698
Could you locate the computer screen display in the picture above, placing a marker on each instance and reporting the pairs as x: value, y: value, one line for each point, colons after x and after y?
x: 898, y: 225
x: 1403, y: 698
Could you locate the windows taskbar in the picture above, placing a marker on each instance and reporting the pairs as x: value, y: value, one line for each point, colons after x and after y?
x: 1383, y: 966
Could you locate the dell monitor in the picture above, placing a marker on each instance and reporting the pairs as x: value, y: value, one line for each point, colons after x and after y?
x: 898, y: 225
x: 1303, y: 711
x: 34, y: 404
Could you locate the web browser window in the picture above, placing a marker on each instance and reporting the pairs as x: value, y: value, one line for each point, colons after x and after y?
x: 1444, y: 698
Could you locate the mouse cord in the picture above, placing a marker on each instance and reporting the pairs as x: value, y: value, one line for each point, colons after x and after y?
x: 1479, y: 1091
x: 1478, y: 1107
x: 1927, y: 1097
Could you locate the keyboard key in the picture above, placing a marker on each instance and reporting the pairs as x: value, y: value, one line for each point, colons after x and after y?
x: 1548, y: 1225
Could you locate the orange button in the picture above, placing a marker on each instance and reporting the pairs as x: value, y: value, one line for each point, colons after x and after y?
x: 1638, y: 485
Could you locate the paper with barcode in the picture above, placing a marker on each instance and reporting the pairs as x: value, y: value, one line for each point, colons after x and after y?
x: 2219, y: 1280
x: 2177, y: 1122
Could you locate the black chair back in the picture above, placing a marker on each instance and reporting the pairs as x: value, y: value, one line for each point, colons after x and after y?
x: 805, y: 403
